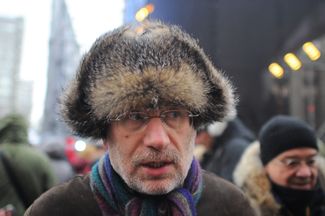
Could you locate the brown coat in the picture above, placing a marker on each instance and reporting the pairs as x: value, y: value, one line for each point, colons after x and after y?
x: 75, y: 198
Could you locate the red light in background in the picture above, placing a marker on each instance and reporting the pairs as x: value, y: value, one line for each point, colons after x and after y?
x: 311, y: 108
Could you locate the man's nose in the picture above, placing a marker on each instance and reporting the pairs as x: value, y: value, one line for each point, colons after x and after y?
x: 156, y: 136
x: 304, y: 170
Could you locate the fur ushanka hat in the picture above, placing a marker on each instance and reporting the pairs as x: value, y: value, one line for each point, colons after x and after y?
x: 147, y: 66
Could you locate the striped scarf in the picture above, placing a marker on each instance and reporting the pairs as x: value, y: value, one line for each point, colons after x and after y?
x: 115, y: 198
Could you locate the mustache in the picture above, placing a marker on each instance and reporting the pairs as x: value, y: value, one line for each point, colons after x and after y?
x: 155, y: 156
x: 301, y: 181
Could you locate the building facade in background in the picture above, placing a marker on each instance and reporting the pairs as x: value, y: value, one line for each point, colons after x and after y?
x: 15, y: 94
x: 301, y: 92
x: 63, y: 60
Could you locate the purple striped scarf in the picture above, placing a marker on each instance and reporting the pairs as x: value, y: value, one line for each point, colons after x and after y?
x: 115, y: 198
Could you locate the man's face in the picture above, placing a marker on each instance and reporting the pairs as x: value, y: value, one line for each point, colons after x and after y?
x: 295, y: 168
x: 154, y: 158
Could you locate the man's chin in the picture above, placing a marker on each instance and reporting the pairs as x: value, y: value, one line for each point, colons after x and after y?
x: 154, y: 187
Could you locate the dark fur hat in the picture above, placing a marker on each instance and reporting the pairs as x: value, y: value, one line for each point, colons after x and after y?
x: 147, y: 66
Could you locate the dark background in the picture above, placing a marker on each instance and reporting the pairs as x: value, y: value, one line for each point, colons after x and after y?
x: 243, y: 37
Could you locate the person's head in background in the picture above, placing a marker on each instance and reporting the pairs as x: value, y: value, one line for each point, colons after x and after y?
x: 288, y: 153
x: 13, y: 129
x: 205, y: 138
x: 145, y: 98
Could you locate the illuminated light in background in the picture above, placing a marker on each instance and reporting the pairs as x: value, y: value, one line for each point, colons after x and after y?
x: 150, y: 8
x: 276, y: 70
x: 293, y: 61
x: 144, y: 12
x: 80, y: 145
x: 311, y: 51
x: 311, y: 108
x: 141, y: 14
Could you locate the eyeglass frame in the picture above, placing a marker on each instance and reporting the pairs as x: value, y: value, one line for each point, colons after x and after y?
x: 298, y: 162
x: 147, y: 117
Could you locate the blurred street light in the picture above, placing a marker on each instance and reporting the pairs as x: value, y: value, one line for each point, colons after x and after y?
x: 144, y: 12
x: 293, y: 61
x: 276, y: 70
x: 311, y: 51
x: 80, y: 145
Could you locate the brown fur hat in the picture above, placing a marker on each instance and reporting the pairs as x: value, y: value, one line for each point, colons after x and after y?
x: 147, y: 66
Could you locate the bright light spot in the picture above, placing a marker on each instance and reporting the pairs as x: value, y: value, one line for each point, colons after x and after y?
x: 144, y: 12
x: 311, y: 51
x: 276, y: 70
x: 141, y: 14
x: 150, y: 8
x: 293, y: 61
x: 80, y: 145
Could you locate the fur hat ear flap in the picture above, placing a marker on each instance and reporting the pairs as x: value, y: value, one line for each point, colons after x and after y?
x: 152, y: 65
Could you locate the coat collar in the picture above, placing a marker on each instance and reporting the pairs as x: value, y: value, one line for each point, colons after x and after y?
x: 251, y: 177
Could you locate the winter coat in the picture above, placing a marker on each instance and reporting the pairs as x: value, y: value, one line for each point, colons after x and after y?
x: 32, y: 171
x: 25, y: 172
x: 227, y: 149
x: 75, y: 198
x: 250, y: 176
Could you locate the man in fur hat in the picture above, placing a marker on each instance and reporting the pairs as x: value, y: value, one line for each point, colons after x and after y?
x: 144, y: 91
x: 282, y: 173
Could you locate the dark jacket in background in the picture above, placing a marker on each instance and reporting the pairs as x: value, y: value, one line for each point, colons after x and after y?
x: 29, y: 167
x: 227, y: 149
x: 75, y: 198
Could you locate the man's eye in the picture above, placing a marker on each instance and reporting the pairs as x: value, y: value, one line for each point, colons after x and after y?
x: 137, y: 116
x: 292, y: 163
x: 311, y: 162
x: 172, y: 114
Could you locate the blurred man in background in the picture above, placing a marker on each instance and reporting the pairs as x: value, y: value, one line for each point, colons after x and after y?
x: 282, y: 173
x: 224, y: 143
x: 25, y: 172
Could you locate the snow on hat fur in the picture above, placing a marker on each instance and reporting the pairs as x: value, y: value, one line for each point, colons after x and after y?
x: 146, y: 66
x: 282, y: 133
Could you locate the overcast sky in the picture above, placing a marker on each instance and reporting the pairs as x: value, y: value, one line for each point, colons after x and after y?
x: 90, y: 19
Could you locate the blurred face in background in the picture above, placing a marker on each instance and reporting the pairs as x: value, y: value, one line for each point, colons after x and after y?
x: 152, y: 150
x: 295, y: 169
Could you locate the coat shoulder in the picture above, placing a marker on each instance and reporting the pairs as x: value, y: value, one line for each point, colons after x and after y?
x: 222, y: 198
x: 71, y: 198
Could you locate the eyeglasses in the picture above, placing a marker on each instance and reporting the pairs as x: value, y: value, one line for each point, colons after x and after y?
x: 174, y: 119
x: 295, y: 163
